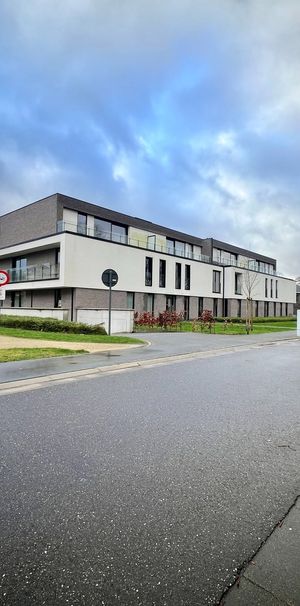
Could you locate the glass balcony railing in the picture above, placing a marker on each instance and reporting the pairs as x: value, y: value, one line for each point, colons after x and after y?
x: 124, y: 239
x: 34, y: 272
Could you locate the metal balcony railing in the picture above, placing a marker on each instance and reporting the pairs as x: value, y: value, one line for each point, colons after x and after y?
x: 34, y: 272
x: 124, y: 239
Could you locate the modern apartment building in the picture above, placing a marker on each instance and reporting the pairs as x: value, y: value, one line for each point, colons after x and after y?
x: 56, y: 249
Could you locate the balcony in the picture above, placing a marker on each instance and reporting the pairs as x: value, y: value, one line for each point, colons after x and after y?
x: 150, y: 244
x: 32, y: 273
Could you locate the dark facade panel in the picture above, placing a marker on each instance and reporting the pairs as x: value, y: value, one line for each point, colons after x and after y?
x: 30, y: 222
x: 114, y: 216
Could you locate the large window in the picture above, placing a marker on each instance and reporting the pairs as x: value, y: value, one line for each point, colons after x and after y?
x: 130, y: 300
x: 238, y: 283
x: 162, y: 273
x: 216, y: 281
x: 148, y: 271
x: 177, y: 275
x: 57, y: 298
x: 110, y: 231
x: 171, y: 302
x: 149, y: 303
x: 20, y: 269
x: 187, y: 279
x: 18, y: 298
x: 81, y: 223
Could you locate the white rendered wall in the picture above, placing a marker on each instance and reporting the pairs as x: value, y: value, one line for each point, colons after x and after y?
x: 87, y: 258
x: 286, y: 287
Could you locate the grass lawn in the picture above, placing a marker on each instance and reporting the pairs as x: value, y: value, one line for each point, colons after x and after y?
x: 65, y: 336
x: 233, y: 329
x: 20, y: 353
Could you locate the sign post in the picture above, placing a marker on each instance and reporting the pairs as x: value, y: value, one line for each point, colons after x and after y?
x: 110, y: 279
x: 4, y: 279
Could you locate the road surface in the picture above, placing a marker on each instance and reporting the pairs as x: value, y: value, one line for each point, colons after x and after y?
x: 147, y: 487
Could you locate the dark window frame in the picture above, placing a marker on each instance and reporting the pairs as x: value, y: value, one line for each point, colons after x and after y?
x: 178, y: 271
x: 148, y: 271
x: 216, y: 285
x: 162, y: 273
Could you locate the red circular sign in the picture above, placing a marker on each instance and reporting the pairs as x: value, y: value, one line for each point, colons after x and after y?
x: 4, y: 277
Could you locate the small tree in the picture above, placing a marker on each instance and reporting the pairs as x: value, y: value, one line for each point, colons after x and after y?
x: 249, y: 283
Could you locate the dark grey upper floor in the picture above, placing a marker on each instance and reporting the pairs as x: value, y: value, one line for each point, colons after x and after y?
x: 40, y: 218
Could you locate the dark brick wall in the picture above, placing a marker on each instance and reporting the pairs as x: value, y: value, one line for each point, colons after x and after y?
x: 30, y: 222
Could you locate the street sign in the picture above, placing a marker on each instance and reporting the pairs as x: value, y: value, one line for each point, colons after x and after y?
x: 2, y: 294
x: 4, y: 277
x: 110, y: 278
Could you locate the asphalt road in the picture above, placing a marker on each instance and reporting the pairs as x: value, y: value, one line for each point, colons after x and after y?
x: 148, y: 487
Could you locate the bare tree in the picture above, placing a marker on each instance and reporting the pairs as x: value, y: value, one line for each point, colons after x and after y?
x: 249, y: 283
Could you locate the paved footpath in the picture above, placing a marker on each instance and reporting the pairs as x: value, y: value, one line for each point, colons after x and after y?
x: 160, y: 345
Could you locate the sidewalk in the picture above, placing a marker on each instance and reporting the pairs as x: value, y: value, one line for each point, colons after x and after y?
x: 273, y: 576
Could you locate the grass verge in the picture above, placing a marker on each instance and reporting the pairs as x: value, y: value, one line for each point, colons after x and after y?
x: 231, y: 329
x: 65, y: 336
x: 20, y: 353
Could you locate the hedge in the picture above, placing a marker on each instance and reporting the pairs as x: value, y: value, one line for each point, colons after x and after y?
x: 49, y: 325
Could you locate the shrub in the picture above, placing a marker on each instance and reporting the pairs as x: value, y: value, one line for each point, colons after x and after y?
x: 50, y: 325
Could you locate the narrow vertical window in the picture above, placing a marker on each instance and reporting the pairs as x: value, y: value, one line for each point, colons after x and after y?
x: 148, y: 271
x: 238, y: 283
x: 266, y: 287
x: 187, y: 278
x: 130, y: 300
x: 57, y: 298
x: 216, y: 281
x: 81, y: 223
x: 162, y: 273
x: 200, y: 306
x: 271, y: 288
x: 276, y: 289
x: 177, y: 275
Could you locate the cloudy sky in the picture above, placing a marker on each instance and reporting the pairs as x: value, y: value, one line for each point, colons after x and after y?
x: 183, y: 112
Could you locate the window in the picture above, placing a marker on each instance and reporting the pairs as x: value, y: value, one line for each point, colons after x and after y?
x: 179, y: 248
x: 130, y: 300
x: 266, y: 309
x: 162, y: 273
x: 118, y: 233
x: 200, y: 306
x: 239, y: 308
x: 171, y: 303
x: 57, y: 256
x: 238, y: 283
x: 81, y: 223
x: 186, y: 310
x: 266, y: 287
x: 177, y: 275
x: 271, y: 289
x: 276, y: 289
x: 19, y: 265
x: 216, y: 281
x: 170, y: 246
x: 18, y: 298
x: 149, y: 303
x: 286, y: 309
x: 256, y: 310
x: 102, y: 229
x: 187, y: 280
x: 280, y: 309
x: 189, y: 250
x: 57, y: 298
x: 148, y: 271
x: 215, y: 308
x: 109, y: 231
